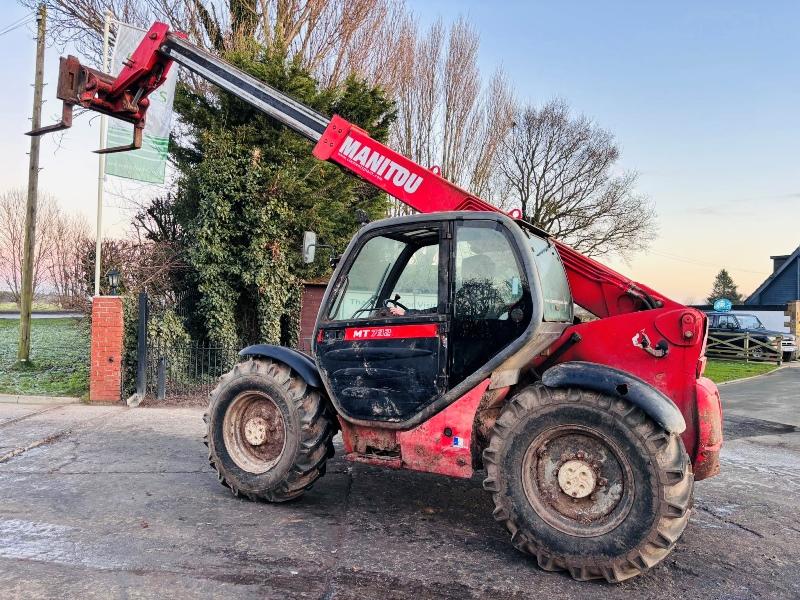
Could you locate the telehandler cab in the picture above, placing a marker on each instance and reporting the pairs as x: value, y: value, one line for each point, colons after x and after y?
x: 446, y: 342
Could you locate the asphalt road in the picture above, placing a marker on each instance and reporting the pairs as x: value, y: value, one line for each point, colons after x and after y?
x: 119, y: 503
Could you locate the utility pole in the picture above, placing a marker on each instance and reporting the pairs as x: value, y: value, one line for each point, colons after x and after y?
x: 24, y: 351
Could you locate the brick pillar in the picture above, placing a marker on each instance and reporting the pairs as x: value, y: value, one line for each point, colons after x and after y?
x: 107, y: 329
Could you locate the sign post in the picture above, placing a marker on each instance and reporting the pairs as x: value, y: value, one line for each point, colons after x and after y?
x: 101, y: 166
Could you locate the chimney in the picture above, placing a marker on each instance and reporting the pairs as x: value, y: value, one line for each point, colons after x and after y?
x: 777, y: 262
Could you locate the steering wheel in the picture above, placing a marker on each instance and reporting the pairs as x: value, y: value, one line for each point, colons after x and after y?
x: 394, y: 301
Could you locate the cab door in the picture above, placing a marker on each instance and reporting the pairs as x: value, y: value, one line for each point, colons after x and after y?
x: 380, y: 343
x: 491, y: 297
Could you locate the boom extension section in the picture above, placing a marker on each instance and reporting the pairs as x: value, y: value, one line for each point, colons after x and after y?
x: 594, y: 286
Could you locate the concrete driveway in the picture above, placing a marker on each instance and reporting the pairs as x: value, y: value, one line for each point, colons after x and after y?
x: 119, y: 503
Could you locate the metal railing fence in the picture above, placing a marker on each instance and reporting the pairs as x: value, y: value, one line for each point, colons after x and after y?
x: 187, y: 370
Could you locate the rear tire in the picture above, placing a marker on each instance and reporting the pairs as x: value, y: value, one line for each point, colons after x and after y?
x: 269, y: 434
x: 587, y: 483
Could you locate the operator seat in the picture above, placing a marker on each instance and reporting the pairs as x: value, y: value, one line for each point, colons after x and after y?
x: 478, y: 304
x: 477, y: 297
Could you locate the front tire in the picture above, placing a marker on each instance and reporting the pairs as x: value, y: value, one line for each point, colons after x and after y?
x: 587, y: 483
x: 269, y: 434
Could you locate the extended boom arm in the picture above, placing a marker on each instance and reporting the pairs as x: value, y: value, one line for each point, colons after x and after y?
x: 597, y: 288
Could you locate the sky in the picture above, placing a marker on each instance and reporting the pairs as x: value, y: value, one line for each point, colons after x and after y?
x: 68, y: 168
x: 703, y: 98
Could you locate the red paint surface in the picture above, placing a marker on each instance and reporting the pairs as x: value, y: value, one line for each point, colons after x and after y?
x: 370, y: 445
x: 705, y: 461
x: 428, y: 448
x: 432, y: 193
x: 391, y: 332
x: 423, y: 448
x: 143, y: 63
x: 146, y: 69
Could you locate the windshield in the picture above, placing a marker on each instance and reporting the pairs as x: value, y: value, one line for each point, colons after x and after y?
x: 358, y: 295
x: 555, y: 288
x: 749, y: 322
x: 407, y: 264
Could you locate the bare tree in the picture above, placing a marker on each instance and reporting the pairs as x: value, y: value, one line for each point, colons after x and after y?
x: 495, y: 122
x: 446, y: 116
x: 70, y: 234
x: 461, y: 90
x: 332, y: 38
x: 155, y: 220
x: 417, y: 87
x: 12, y: 238
x: 143, y: 265
x: 562, y: 172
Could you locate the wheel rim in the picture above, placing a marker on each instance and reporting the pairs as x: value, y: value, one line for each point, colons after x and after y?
x: 577, y: 480
x: 254, y: 432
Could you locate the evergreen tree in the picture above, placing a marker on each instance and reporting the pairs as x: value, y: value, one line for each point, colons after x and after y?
x: 248, y: 188
x: 724, y: 288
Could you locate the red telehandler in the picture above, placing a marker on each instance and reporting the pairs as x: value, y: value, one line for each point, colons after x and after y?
x: 446, y: 342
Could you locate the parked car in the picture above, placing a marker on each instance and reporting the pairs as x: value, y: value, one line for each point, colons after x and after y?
x: 741, y: 324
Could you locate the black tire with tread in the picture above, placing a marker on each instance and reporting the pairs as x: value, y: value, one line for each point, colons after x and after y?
x: 667, y: 473
x: 309, y: 429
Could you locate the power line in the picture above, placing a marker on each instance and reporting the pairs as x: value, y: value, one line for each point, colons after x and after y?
x: 700, y: 263
x: 9, y: 30
x: 17, y: 22
x: 29, y: 18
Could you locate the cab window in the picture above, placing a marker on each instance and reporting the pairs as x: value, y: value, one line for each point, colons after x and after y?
x: 488, y: 278
x: 556, y: 294
x: 418, y: 284
x: 404, y: 264
x: 491, y: 297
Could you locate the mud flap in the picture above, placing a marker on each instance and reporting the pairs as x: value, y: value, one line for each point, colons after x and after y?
x: 301, y: 363
x: 600, y: 378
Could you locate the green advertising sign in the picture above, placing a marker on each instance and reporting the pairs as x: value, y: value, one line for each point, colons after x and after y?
x: 146, y: 164
x: 149, y: 163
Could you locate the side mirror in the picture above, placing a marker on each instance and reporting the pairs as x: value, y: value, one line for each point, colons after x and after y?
x: 362, y: 217
x: 309, y: 246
